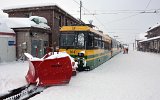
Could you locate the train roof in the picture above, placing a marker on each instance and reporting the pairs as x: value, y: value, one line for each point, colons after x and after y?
x: 105, y: 37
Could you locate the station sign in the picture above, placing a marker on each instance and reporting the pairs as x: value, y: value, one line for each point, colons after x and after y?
x: 11, y: 43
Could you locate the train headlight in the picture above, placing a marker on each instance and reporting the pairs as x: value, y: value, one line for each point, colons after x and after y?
x: 80, y: 54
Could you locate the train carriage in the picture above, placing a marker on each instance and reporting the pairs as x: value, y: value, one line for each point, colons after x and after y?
x: 116, y: 47
x: 88, y: 46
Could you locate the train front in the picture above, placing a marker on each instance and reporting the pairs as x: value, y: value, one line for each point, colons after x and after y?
x: 73, y: 41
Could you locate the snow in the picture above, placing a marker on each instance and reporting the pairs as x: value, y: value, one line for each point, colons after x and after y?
x: 19, y: 22
x: 133, y: 76
x: 2, y: 14
x: 157, y: 37
x: 12, y: 75
x: 31, y: 58
x: 29, y: 5
x: 5, y: 28
x: 155, y: 26
x: 40, y: 19
x: 52, y: 56
x: 142, y: 36
x: 15, y: 22
x: 58, y: 55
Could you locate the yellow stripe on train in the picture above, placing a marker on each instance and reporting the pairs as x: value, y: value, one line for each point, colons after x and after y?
x: 87, y: 52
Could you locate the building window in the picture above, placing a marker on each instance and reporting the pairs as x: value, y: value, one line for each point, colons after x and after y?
x: 28, y: 14
x: 60, y: 21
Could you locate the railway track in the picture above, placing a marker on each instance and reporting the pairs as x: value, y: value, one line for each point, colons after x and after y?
x: 22, y: 93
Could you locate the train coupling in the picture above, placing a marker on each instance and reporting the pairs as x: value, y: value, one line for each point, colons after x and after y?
x: 81, y: 61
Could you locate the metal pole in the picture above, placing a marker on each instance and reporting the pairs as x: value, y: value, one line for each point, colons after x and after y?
x: 80, y: 10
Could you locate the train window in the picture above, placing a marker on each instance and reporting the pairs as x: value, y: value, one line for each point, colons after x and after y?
x: 107, y: 45
x: 99, y: 43
x: 95, y: 41
x: 80, y: 42
x: 67, y: 39
x: 90, y: 40
x: 102, y: 44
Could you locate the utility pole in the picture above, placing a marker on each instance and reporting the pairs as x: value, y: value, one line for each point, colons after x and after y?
x: 80, y: 9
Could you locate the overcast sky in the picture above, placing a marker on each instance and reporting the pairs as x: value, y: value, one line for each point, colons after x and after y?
x: 122, y: 18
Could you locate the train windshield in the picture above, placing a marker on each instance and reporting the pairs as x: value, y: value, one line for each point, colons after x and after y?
x: 67, y: 39
x: 72, y: 40
x: 80, y: 42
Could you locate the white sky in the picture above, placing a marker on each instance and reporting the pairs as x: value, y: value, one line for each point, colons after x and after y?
x: 115, y: 17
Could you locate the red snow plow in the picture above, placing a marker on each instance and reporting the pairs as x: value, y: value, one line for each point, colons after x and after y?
x: 52, y: 69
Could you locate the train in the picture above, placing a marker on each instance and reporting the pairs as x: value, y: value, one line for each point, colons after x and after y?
x: 89, y: 47
x: 81, y: 48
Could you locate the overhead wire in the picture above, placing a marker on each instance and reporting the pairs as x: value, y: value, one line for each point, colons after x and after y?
x: 138, y: 12
x: 147, y: 5
x: 76, y: 2
x: 103, y: 12
x: 124, y: 18
x: 91, y: 14
x: 95, y: 17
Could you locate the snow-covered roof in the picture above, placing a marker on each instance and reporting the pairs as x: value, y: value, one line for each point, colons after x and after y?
x: 155, y: 26
x: 2, y: 14
x: 141, y: 36
x: 23, y: 22
x: 29, y: 5
x: 4, y: 28
x: 158, y: 37
x: 19, y: 22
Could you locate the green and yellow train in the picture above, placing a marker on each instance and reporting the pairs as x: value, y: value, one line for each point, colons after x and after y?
x: 89, y: 47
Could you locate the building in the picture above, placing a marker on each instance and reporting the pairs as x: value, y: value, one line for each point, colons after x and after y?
x: 152, y: 43
x: 55, y: 16
x: 7, y: 40
x: 32, y: 35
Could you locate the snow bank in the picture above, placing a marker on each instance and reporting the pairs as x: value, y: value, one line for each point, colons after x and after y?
x: 12, y: 75
x: 125, y: 77
x: 133, y: 76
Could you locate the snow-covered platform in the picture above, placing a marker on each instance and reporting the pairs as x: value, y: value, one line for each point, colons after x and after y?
x: 132, y: 76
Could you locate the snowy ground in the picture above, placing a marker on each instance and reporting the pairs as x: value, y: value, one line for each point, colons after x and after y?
x: 133, y: 76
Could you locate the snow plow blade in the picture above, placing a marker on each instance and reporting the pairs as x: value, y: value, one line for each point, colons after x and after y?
x: 49, y: 71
